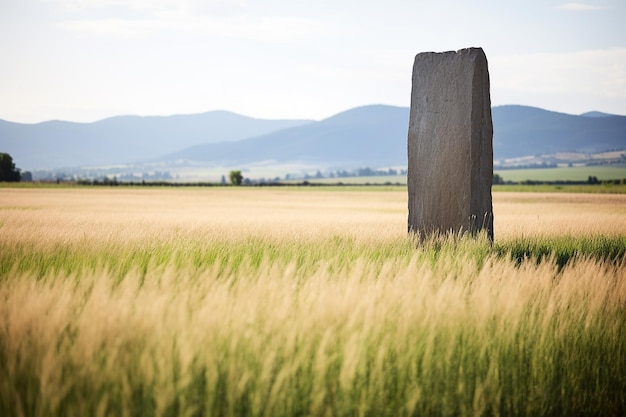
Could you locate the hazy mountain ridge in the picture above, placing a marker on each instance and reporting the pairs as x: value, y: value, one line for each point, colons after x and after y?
x: 373, y: 136
x: 125, y: 139
x: 521, y: 130
x: 376, y: 136
x: 596, y: 114
x: 368, y: 135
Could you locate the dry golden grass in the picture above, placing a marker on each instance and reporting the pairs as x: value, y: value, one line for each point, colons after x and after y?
x: 552, y: 214
x: 89, y: 216
x: 125, y: 215
x: 416, y: 340
x: 265, y: 302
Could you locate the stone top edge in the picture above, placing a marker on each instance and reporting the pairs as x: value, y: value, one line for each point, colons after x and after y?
x: 462, y: 51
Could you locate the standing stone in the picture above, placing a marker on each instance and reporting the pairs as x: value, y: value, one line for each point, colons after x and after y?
x: 450, y: 144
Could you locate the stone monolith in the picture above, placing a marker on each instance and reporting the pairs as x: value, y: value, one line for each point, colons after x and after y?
x: 450, y: 144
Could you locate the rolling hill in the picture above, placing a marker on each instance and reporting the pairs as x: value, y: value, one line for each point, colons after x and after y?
x: 521, y: 131
x: 125, y: 139
x: 365, y: 136
x: 376, y: 136
x: 373, y: 136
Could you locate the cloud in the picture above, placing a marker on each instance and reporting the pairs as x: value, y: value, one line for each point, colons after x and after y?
x: 223, y: 18
x: 262, y: 29
x: 115, y: 28
x: 578, y: 7
x: 599, y: 72
x: 145, y: 6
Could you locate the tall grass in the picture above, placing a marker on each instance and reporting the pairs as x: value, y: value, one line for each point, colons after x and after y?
x: 110, y: 306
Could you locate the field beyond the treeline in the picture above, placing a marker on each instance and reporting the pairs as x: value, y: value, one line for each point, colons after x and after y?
x: 305, y: 301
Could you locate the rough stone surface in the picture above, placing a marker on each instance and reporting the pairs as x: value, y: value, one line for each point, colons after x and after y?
x: 450, y: 144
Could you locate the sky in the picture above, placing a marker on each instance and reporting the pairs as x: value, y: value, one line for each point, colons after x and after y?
x: 86, y: 60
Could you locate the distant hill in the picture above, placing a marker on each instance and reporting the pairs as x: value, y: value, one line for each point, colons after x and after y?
x: 125, y: 139
x: 521, y: 130
x: 376, y: 136
x: 597, y: 114
x: 370, y: 136
x: 365, y: 136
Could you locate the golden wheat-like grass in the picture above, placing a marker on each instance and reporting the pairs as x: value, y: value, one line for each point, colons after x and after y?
x: 330, y: 343
x: 123, y: 216
x: 301, y: 302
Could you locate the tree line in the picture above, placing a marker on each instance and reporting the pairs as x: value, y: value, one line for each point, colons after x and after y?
x: 9, y: 172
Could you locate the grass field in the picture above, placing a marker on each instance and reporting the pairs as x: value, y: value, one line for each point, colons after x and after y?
x: 558, y: 188
x: 307, y: 302
x: 581, y: 173
x: 578, y: 173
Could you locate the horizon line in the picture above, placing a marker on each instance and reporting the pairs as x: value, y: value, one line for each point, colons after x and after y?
x: 283, y: 118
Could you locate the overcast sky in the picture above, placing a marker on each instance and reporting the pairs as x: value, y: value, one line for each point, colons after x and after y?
x: 84, y: 60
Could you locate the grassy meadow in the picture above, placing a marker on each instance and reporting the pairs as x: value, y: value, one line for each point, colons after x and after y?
x: 307, y: 302
x: 576, y: 173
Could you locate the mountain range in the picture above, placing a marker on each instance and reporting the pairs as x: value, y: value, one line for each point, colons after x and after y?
x: 125, y: 139
x: 373, y: 136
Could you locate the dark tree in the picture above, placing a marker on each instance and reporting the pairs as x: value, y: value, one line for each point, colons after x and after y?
x: 235, y: 177
x: 8, y: 172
